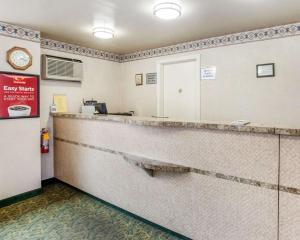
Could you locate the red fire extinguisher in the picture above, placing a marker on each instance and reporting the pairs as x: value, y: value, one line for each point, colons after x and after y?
x: 44, y: 141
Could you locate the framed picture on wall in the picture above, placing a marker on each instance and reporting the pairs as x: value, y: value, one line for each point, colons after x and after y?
x: 139, y: 79
x: 265, y: 70
x: 19, y: 95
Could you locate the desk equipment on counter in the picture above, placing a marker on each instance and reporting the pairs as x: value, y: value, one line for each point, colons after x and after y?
x: 93, y: 107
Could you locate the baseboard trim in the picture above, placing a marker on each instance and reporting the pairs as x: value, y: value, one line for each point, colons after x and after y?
x: 21, y: 197
x: 166, y: 230
x: 48, y: 181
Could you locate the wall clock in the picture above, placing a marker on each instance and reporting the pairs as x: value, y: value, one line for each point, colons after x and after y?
x: 19, y: 58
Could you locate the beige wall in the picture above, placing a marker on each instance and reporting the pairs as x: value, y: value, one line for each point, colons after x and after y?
x: 237, y: 93
x: 101, y: 82
x: 20, y: 165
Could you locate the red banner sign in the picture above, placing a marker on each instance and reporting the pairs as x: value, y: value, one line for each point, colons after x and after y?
x: 19, y: 95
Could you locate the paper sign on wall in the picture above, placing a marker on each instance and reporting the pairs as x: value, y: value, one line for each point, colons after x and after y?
x: 151, y: 78
x: 208, y: 73
x: 60, y: 102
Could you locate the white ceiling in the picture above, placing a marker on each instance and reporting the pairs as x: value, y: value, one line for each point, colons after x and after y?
x: 136, y: 28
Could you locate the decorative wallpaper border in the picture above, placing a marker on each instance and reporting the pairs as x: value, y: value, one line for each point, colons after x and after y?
x: 226, y: 40
x: 231, y: 39
x: 75, y: 49
x: 19, y: 32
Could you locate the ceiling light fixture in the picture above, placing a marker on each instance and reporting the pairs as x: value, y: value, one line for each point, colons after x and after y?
x: 103, y: 33
x: 168, y: 9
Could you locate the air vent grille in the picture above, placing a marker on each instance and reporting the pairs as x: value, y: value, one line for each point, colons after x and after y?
x: 56, y: 68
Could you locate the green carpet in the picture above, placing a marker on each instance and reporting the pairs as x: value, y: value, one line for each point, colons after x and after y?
x: 62, y: 212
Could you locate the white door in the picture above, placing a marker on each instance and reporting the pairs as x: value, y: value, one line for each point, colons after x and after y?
x: 180, y: 89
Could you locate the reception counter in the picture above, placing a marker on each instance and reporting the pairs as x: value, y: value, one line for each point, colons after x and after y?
x: 202, y: 180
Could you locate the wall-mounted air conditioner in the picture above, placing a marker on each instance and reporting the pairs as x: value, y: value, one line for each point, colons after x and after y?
x: 61, y: 69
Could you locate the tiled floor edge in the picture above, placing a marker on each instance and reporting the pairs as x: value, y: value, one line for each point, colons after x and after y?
x: 236, y: 179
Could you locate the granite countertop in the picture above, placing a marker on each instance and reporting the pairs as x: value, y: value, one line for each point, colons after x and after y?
x: 165, y: 122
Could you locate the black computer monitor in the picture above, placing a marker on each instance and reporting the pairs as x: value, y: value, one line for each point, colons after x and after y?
x: 101, y: 108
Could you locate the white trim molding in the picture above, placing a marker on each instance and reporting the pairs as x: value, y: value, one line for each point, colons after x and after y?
x: 14, y: 31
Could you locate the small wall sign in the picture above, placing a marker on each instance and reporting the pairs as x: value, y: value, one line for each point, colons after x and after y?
x: 60, y: 101
x: 139, y: 79
x: 151, y: 78
x: 265, y: 70
x: 208, y: 73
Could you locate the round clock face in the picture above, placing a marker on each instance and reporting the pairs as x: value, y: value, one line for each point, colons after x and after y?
x: 20, y: 58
